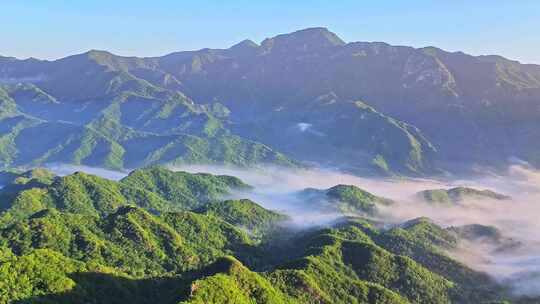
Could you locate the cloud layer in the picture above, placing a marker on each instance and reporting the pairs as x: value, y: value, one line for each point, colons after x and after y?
x: 516, y: 219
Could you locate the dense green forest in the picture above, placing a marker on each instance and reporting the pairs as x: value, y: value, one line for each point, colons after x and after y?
x: 158, y: 236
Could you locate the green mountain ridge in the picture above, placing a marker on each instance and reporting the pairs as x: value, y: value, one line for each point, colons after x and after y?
x: 246, y: 214
x: 459, y: 194
x: 155, y: 189
x: 170, y: 127
x: 182, y: 109
x: 165, y: 236
x: 294, y: 100
x: 434, y: 98
x: 345, y: 199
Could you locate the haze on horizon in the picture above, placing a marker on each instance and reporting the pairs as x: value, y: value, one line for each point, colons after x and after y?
x: 59, y: 29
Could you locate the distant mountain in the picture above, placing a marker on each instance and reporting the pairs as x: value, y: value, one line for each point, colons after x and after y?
x: 344, y: 199
x: 459, y: 194
x: 123, y: 130
x: 487, y: 235
x: 364, y: 106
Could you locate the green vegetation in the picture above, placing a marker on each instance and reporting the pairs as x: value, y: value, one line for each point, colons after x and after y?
x: 101, y: 109
x: 188, y: 190
x: 370, y: 107
x: 155, y: 189
x: 159, y: 236
x: 38, y: 175
x: 246, y: 214
x: 345, y: 199
x: 164, y: 126
x: 459, y: 194
x: 427, y: 243
x: 130, y: 240
x: 232, y: 283
x: 485, y: 234
x: 165, y: 236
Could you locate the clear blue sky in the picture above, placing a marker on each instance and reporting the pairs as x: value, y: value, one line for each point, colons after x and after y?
x: 53, y: 28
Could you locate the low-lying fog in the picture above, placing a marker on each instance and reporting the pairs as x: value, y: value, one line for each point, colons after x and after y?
x: 518, y: 219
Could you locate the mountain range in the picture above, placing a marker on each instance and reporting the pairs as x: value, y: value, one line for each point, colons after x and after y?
x: 303, y: 97
x: 158, y: 236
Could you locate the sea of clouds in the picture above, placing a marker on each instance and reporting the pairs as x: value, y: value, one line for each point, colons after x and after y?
x: 518, y: 219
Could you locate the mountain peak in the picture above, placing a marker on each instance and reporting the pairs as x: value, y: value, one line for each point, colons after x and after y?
x: 244, y: 47
x: 95, y: 52
x: 93, y: 55
x: 315, y: 31
x: 303, y: 40
x: 245, y: 44
x: 98, y: 54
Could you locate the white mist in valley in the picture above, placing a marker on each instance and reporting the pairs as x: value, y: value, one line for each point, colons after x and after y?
x: 517, y: 219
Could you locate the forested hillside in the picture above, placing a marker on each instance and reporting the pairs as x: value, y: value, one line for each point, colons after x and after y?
x: 173, y: 237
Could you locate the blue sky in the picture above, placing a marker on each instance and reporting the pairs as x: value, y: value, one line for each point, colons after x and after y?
x: 52, y: 29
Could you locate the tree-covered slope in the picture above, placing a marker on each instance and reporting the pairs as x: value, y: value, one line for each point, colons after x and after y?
x: 229, y: 282
x: 189, y: 190
x: 429, y: 244
x: 134, y: 249
x: 420, y: 241
x: 304, y: 86
x: 346, y: 134
x: 344, y: 199
x: 156, y: 189
x: 130, y: 239
x: 488, y: 235
x: 332, y: 270
x: 170, y: 237
x: 106, y: 105
x: 132, y: 124
x: 459, y: 194
x: 246, y: 214
x: 487, y: 104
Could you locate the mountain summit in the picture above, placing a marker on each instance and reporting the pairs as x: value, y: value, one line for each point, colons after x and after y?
x: 311, y: 39
x: 367, y: 107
